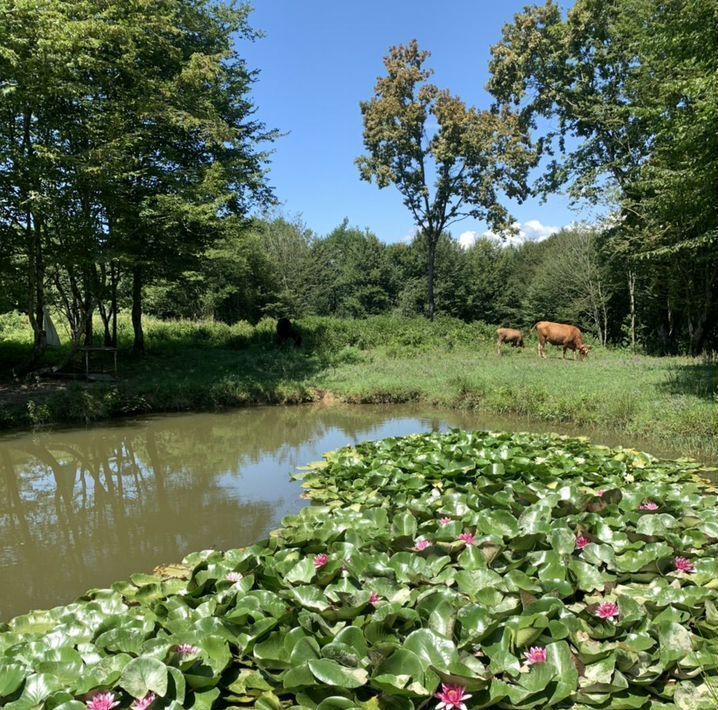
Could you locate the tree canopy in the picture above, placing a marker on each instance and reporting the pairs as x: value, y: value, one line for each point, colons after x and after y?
x: 133, y: 170
x: 624, y: 99
x: 461, y: 168
x: 126, y: 137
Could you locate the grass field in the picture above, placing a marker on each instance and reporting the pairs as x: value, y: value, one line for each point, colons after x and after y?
x: 200, y: 366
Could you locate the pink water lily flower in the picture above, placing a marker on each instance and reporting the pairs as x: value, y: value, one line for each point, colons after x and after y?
x: 102, y: 701
x: 452, y: 696
x: 467, y: 538
x: 145, y: 702
x: 582, y: 542
x: 648, y: 505
x: 445, y: 521
x: 234, y: 577
x: 187, y: 649
x: 607, y: 611
x: 320, y: 560
x: 374, y: 599
x: 683, y: 564
x: 536, y: 654
x: 420, y: 544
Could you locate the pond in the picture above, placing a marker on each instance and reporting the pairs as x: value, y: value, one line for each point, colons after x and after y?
x: 82, y: 508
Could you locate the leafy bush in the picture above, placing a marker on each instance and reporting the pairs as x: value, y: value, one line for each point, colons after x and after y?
x: 320, y: 334
x: 395, y: 333
x: 527, y: 571
x: 14, y: 326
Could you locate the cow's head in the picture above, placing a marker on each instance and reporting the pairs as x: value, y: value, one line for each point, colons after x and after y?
x: 583, y: 349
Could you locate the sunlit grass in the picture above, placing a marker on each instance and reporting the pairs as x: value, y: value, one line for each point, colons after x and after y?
x: 194, y: 366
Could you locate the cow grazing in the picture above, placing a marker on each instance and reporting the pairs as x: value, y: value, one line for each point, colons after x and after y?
x: 565, y: 336
x: 286, y: 331
x: 509, y: 335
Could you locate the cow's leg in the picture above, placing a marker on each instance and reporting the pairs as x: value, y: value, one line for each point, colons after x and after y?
x: 563, y: 357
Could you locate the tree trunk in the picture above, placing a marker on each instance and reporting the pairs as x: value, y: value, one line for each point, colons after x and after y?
x: 36, y: 296
x: 632, y: 296
x: 431, y: 252
x: 106, y: 337
x: 105, y: 315
x: 35, y: 260
x: 113, y: 301
x: 597, y: 322
x: 697, y: 332
x: 604, y: 312
x: 108, y: 314
x: 138, y: 347
x: 669, y: 319
x: 38, y: 271
x: 603, y: 300
x: 88, y: 308
x: 70, y: 303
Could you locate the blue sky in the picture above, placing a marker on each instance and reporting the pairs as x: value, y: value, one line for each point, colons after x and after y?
x: 320, y: 58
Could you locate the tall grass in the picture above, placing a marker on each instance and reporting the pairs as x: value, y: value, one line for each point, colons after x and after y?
x: 320, y: 334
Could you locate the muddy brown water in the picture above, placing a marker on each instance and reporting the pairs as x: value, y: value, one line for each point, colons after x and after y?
x: 81, y: 508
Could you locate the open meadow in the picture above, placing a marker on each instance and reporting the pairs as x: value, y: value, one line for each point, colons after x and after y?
x: 208, y: 366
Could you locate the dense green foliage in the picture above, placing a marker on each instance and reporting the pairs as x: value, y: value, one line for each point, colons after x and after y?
x: 131, y: 159
x: 626, y: 97
x: 467, y: 551
x: 279, y: 267
x: 127, y: 146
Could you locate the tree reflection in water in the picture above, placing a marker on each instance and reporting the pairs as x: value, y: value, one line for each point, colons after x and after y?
x: 83, y: 508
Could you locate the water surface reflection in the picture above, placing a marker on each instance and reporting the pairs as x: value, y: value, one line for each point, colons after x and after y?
x: 83, y: 508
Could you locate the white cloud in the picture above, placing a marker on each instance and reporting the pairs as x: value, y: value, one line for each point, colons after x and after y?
x: 408, y: 238
x: 534, y: 231
x: 531, y: 231
x: 468, y: 239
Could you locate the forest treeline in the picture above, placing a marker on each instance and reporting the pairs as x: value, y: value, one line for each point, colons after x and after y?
x: 281, y: 267
x: 131, y: 163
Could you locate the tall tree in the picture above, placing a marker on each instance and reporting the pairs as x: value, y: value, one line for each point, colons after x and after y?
x: 625, y: 99
x: 673, y: 204
x: 33, y: 80
x: 288, y: 246
x: 446, y: 174
x: 182, y: 144
x: 573, y: 72
x: 127, y: 136
x: 352, y: 277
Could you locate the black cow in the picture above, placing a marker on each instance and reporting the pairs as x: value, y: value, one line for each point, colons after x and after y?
x: 286, y: 331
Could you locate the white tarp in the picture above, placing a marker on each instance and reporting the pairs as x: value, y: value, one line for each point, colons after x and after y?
x: 53, y: 339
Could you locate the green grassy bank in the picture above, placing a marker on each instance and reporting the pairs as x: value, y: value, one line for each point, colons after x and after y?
x: 204, y: 366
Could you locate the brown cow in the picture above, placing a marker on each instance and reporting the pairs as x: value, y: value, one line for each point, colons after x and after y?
x: 565, y: 336
x: 509, y: 335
